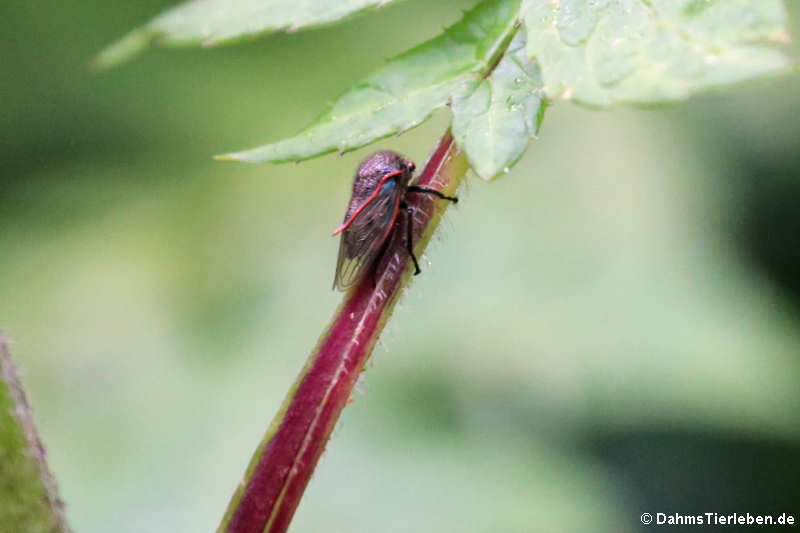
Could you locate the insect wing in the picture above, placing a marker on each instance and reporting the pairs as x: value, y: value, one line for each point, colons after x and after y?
x: 363, y: 239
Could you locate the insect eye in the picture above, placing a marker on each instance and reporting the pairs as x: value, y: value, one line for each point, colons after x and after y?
x: 410, y: 166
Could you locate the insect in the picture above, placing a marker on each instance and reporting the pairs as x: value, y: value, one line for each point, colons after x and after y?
x: 373, y: 215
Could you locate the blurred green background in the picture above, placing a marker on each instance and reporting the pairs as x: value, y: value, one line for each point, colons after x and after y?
x: 612, y: 328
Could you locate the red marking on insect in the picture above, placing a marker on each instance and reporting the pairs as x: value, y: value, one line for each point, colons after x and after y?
x: 380, y: 187
x: 369, y: 200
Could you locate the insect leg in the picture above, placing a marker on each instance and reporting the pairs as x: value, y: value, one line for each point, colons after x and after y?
x: 410, y: 237
x: 425, y: 190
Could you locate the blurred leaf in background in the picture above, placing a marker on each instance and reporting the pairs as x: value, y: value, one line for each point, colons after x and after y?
x: 223, y: 21
x: 618, y: 319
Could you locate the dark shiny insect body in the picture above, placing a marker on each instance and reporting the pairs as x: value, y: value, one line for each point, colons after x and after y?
x: 380, y: 187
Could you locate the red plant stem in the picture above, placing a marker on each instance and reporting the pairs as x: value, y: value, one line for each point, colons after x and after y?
x: 282, y: 465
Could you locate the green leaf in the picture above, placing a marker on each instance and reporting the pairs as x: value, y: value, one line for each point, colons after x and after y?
x: 28, y: 494
x: 405, y: 92
x: 211, y: 22
x: 494, y: 120
x: 601, y: 52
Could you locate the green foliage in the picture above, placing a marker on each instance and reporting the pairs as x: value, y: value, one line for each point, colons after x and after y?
x: 596, y: 52
x: 493, y: 120
x: 601, y: 52
x: 27, y: 498
x: 211, y: 22
x: 403, y: 93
